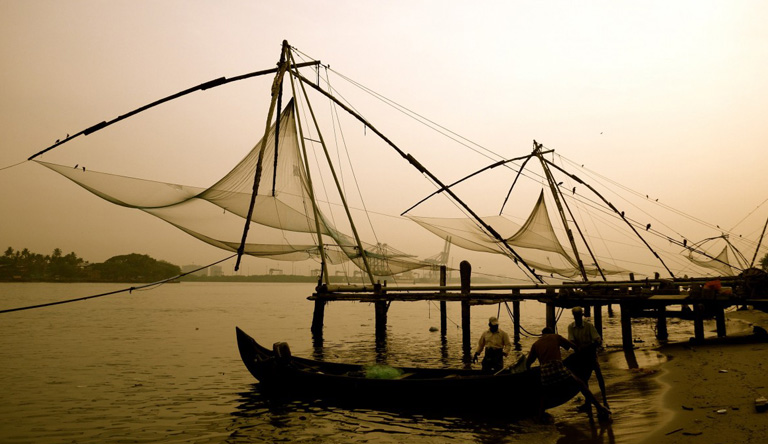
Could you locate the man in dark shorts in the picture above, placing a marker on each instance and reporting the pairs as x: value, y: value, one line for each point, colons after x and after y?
x: 582, y: 333
x: 547, y: 350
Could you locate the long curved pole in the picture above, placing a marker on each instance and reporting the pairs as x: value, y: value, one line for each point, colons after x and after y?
x: 613, y: 208
x: 425, y: 171
x: 201, y: 87
x: 489, y: 167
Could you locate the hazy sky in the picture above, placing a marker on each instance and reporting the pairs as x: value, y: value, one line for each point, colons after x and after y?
x: 668, y: 98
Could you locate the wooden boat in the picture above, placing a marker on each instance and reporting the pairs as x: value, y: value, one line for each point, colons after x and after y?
x: 512, y: 390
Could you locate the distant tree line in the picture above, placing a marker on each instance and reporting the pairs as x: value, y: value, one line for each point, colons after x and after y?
x: 25, y: 266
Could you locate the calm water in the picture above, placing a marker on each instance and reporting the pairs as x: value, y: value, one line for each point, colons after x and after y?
x: 162, y: 366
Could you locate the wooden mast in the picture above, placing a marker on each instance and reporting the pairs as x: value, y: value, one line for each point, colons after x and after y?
x: 489, y: 229
x: 752, y: 264
x: 553, y: 187
x: 310, y: 189
x: 259, y: 163
x: 618, y: 213
x: 363, y: 254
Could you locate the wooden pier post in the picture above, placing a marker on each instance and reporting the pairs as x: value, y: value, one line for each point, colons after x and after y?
x: 550, y: 310
x: 516, y: 320
x: 381, y: 308
x: 317, y: 317
x: 661, y: 323
x: 598, y: 319
x: 443, y: 305
x: 698, y: 322
x: 465, y: 271
x: 587, y: 311
x: 626, y: 335
x: 720, y: 321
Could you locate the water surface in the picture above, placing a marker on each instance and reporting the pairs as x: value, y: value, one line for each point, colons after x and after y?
x: 162, y: 366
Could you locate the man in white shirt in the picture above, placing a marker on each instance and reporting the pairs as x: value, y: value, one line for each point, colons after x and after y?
x: 585, y: 336
x: 496, y: 344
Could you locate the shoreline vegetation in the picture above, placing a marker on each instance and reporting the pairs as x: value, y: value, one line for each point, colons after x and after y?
x: 26, y: 266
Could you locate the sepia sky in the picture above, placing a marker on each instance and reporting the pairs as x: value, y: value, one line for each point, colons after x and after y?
x: 667, y: 98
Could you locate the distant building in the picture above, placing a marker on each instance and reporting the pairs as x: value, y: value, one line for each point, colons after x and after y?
x: 188, y: 268
x: 215, y: 270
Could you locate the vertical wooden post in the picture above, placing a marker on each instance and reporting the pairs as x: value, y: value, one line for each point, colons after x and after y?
x: 720, y: 321
x: 443, y: 305
x: 626, y: 335
x: 380, y: 308
x: 516, y: 319
x: 661, y: 323
x: 465, y: 270
x: 381, y: 316
x: 587, y: 311
x: 698, y: 322
x: 598, y: 319
x: 317, y: 317
x: 550, y: 310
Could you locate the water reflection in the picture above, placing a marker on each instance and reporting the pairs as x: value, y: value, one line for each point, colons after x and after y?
x: 381, y: 346
x: 258, y: 418
x: 317, y: 345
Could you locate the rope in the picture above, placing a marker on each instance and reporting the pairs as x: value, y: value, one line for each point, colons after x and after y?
x: 512, y: 317
x: 129, y: 290
x: 11, y: 166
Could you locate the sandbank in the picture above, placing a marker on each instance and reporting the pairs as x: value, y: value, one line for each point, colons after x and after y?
x: 711, y: 387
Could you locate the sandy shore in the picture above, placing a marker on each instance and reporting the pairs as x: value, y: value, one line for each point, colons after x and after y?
x: 712, y: 387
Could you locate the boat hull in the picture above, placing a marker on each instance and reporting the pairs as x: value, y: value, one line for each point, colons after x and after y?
x: 513, y: 390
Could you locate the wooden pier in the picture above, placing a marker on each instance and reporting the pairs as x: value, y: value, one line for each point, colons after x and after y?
x: 641, y: 298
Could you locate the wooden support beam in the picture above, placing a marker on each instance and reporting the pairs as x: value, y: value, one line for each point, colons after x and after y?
x: 443, y: 304
x: 720, y: 321
x: 516, y: 321
x: 465, y: 271
x: 587, y: 311
x: 698, y: 322
x: 551, y: 319
x: 317, y: 317
x: 598, y: 319
x: 661, y: 323
x: 381, y: 318
x: 626, y: 336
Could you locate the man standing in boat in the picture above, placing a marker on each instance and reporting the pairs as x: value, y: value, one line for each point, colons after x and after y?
x: 496, y: 344
x: 554, y: 373
x: 582, y: 333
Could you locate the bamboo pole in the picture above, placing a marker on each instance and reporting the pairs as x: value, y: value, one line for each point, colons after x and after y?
x: 489, y: 229
x: 363, y: 255
x: 311, y: 191
x: 620, y: 214
x: 259, y: 162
